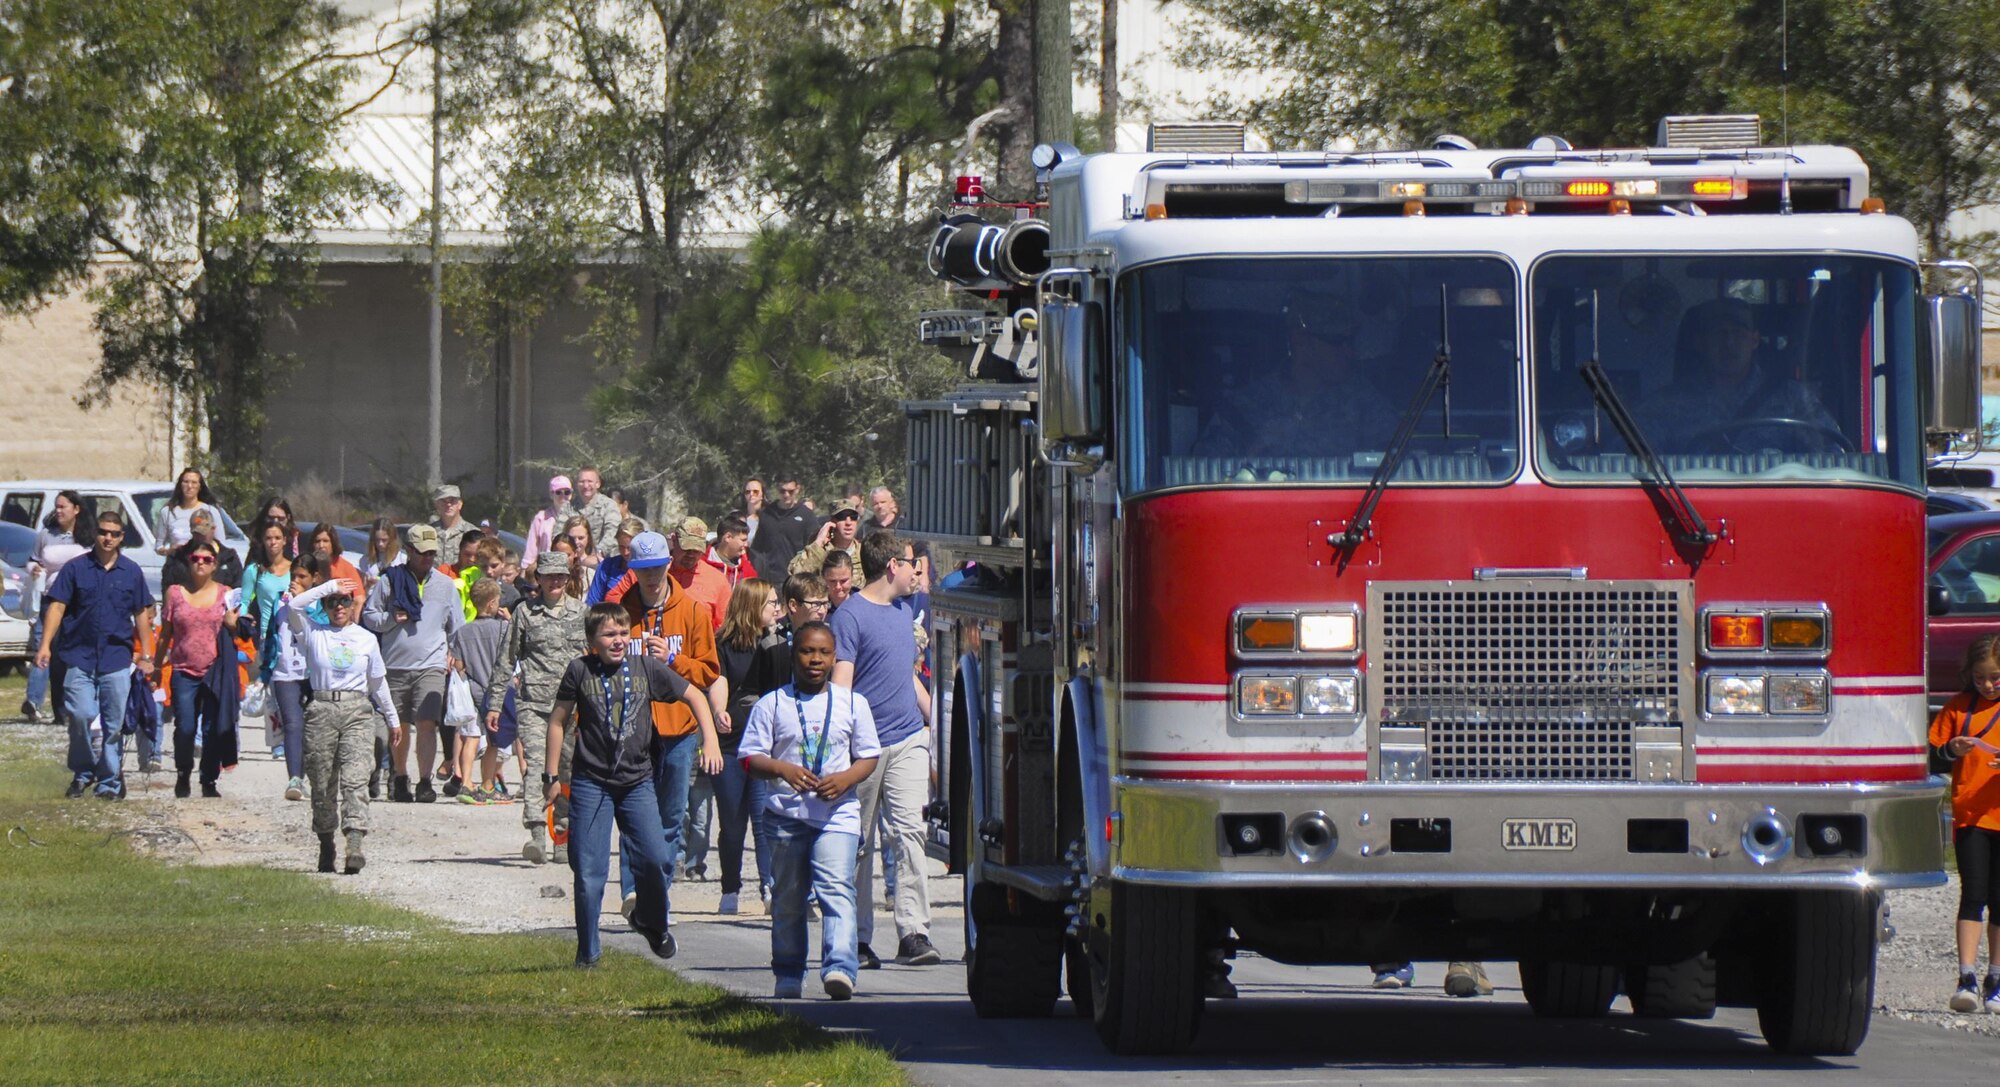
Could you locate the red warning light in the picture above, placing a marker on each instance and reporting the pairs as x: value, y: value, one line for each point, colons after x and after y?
x: 971, y: 189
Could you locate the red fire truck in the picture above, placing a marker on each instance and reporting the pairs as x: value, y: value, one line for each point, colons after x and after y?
x: 1439, y: 554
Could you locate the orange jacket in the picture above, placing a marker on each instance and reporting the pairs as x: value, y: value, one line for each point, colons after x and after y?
x: 682, y: 621
x: 1975, y: 783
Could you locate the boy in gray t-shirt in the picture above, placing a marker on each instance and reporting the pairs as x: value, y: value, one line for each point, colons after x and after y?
x: 475, y: 651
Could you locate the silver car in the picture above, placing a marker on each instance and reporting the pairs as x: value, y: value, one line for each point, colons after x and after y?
x: 28, y: 501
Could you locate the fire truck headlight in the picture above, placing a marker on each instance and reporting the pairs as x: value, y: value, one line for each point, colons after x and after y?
x: 1803, y: 695
x: 1729, y: 695
x: 1264, y: 696
x: 1335, y: 633
x: 1331, y: 696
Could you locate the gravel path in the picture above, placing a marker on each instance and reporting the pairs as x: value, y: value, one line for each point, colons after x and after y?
x: 463, y: 864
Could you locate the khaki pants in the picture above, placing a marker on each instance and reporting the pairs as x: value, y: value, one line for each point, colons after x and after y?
x: 896, y: 794
x: 340, y: 752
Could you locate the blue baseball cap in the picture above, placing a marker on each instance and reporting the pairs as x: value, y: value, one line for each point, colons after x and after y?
x: 649, y: 549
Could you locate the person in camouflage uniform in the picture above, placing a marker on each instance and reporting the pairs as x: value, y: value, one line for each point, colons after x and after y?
x: 543, y: 637
x: 597, y: 510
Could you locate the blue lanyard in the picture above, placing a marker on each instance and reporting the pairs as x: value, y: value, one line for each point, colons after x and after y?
x: 624, y: 713
x: 815, y: 745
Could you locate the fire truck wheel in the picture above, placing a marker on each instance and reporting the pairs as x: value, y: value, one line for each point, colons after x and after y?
x: 1013, y: 964
x: 1145, y: 958
x: 1568, y: 990
x: 1680, y: 990
x: 1816, y: 984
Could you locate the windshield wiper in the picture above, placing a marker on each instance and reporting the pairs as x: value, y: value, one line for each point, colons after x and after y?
x: 1679, y: 507
x: 1438, y: 376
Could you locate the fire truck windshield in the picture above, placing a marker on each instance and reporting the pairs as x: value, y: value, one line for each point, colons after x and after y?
x: 1737, y: 367
x: 1295, y: 370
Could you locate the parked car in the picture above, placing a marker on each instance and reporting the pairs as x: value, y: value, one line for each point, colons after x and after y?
x: 17, y: 599
x: 1962, y: 578
x: 1938, y: 503
x: 26, y: 502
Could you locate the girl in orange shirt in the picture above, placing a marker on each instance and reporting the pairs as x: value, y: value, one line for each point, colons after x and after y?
x: 1964, y: 734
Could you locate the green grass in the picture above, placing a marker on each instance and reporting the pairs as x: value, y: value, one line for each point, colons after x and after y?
x: 116, y: 969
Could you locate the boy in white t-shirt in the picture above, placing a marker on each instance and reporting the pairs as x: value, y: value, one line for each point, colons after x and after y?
x: 815, y: 742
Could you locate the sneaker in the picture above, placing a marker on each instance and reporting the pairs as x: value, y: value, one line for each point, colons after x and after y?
x: 788, y: 989
x: 1396, y: 977
x: 916, y: 950
x: 209, y: 791
x: 295, y: 789
x: 586, y: 964
x: 399, y: 789
x: 149, y: 766
x: 452, y: 787
x: 1966, y: 999
x: 863, y: 954
x: 278, y: 752
x: 728, y: 903
x: 660, y: 941
x: 78, y: 786
x: 536, y: 849
x: 1467, y: 979
x: 500, y: 789
x: 30, y: 713
x: 838, y: 987
x: 764, y: 897
x: 1989, y: 990
x: 630, y: 904
x: 425, y: 794
x: 495, y: 796
x: 375, y: 785
x: 473, y: 796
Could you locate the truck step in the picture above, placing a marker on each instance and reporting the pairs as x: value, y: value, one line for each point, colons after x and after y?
x: 1049, y: 882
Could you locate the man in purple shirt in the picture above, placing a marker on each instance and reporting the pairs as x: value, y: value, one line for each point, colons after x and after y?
x: 875, y: 653
x: 97, y: 604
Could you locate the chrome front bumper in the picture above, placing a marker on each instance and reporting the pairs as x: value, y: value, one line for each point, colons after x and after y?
x: 1168, y: 833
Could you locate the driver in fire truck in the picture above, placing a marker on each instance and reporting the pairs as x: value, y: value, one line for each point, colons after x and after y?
x: 1719, y: 380
x: 1315, y: 402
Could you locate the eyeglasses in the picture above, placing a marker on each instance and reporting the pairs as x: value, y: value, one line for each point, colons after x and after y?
x: 817, y: 605
x: 201, y: 560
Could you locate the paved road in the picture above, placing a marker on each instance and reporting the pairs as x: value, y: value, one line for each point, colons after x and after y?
x: 1318, y: 1026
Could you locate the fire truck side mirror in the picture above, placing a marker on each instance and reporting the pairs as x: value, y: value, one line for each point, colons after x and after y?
x: 1953, y: 375
x: 1072, y: 399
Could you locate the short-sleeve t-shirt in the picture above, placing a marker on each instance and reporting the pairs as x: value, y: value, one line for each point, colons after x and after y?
x: 614, y: 720
x: 881, y: 642
x: 825, y: 733
x: 478, y: 644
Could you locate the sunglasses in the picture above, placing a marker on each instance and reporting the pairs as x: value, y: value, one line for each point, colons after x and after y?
x: 111, y: 533
x: 561, y: 490
x: 201, y: 560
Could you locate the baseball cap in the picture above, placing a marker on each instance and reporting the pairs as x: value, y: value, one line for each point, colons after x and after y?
x: 551, y: 562
x: 560, y: 483
x: 649, y: 549
x: 444, y: 491
x: 422, y: 538
x: 692, y: 535
x: 846, y: 508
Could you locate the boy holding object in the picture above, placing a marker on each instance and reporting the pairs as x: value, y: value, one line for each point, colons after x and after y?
x: 609, y: 694
x: 815, y: 740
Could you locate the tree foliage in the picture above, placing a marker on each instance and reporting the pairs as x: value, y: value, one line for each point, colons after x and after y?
x: 1912, y: 84
x: 191, y: 141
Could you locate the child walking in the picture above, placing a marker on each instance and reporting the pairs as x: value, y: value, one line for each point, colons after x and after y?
x: 609, y: 694
x: 475, y: 651
x: 816, y: 740
x: 1964, y: 734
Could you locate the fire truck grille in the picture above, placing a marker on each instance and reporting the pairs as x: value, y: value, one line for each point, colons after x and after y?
x: 1528, y: 679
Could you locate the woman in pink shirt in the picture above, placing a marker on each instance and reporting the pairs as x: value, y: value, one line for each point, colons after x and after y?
x: 189, y: 630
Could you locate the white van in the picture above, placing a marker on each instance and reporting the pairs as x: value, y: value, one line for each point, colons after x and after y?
x: 28, y: 501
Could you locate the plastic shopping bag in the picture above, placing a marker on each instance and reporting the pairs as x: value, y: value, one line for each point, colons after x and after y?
x: 459, y: 710
x: 256, y: 701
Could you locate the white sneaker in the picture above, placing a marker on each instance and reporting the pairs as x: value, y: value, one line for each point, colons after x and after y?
x: 728, y: 903
x: 764, y: 894
x: 838, y: 986
x: 295, y: 789
x: 630, y: 904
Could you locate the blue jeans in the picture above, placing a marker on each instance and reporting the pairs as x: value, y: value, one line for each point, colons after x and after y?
x: 673, y: 760
x: 196, y: 712
x: 86, y: 695
x: 38, y: 678
x: 592, y: 809
x: 734, y: 795
x: 822, y: 861
x: 697, y: 824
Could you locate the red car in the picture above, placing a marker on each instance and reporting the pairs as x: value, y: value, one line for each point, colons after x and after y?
x: 1962, y: 577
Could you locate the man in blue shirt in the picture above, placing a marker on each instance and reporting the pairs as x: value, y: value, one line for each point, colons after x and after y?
x: 876, y: 654
x: 93, y: 605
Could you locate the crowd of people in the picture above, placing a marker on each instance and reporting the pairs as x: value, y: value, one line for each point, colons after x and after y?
x: 761, y: 688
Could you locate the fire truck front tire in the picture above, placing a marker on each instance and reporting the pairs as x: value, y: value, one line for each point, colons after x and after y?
x: 1816, y: 982
x: 1568, y: 990
x: 1145, y: 956
x: 1013, y: 964
x: 1680, y: 990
